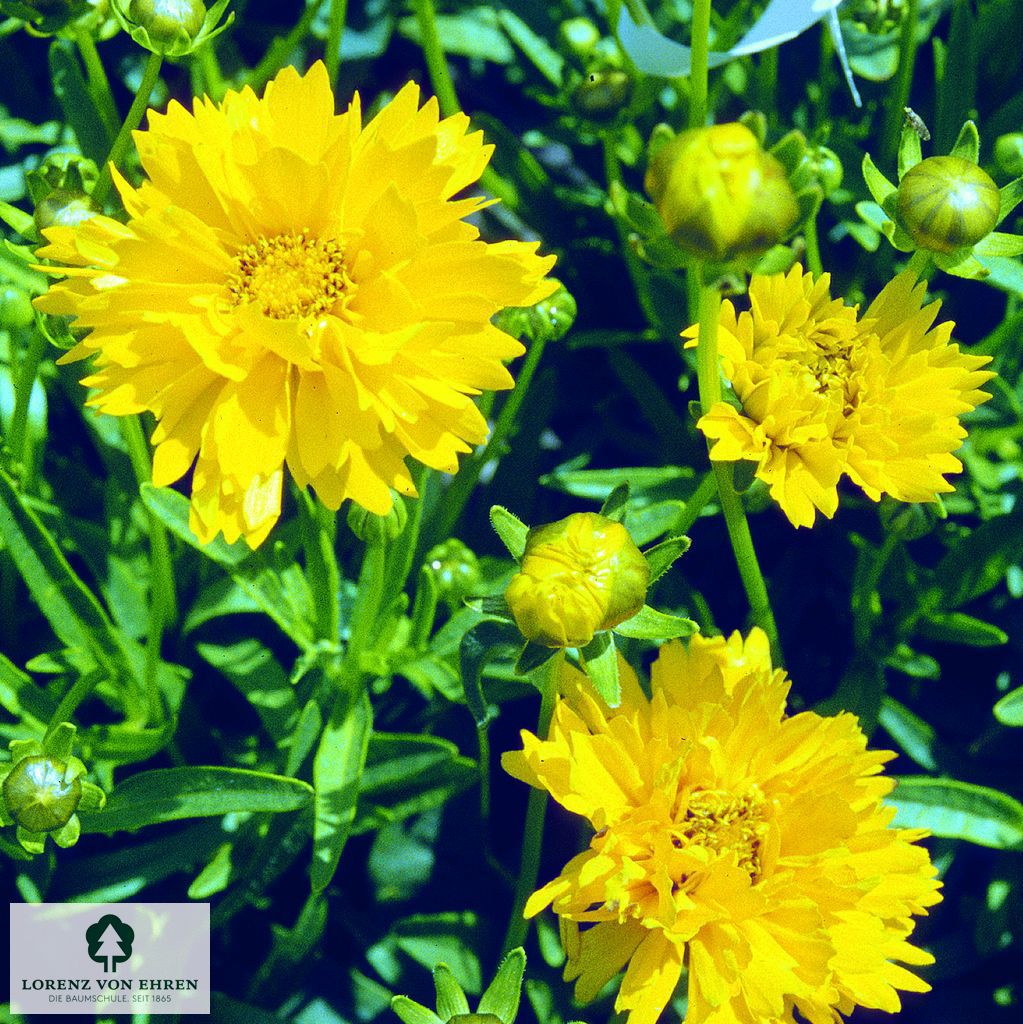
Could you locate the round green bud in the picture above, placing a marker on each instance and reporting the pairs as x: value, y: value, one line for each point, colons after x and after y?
x: 823, y: 168
x: 15, y: 307
x: 720, y: 194
x: 579, y: 36
x: 602, y: 95
x: 1009, y: 153
x: 945, y: 203
x: 63, y: 208
x: 455, y: 569
x: 168, y: 21
x: 368, y: 526
x: 40, y: 795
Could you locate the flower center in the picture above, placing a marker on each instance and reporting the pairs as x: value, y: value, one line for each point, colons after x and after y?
x: 724, y: 823
x: 290, y: 276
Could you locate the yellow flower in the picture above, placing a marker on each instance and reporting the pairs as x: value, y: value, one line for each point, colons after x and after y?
x: 293, y: 287
x: 753, y: 848
x: 578, y: 576
x: 825, y: 393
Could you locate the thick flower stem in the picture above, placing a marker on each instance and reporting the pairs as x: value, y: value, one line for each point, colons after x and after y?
x: 436, y: 61
x: 369, y: 596
x: 904, y: 78
x: 462, y: 486
x: 536, y: 809
x: 99, y: 84
x: 700, y: 57
x: 813, y: 247
x: 131, y: 122
x: 278, y: 51
x: 709, y: 380
x: 335, y: 30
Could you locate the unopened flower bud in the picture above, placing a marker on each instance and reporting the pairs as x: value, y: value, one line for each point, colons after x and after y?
x: 455, y: 570
x: 720, y: 194
x: 368, y: 526
x: 945, y: 203
x: 1009, y: 153
x: 15, y: 307
x: 579, y: 36
x: 602, y: 95
x: 63, y: 208
x: 42, y: 793
x: 168, y: 21
x: 821, y: 167
x: 578, y: 576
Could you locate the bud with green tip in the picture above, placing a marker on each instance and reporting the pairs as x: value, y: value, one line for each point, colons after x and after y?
x: 720, y: 193
x: 455, y: 570
x: 946, y: 203
x: 498, y: 1005
x: 368, y: 526
x: 820, y: 166
x: 549, y: 320
x: 171, y: 28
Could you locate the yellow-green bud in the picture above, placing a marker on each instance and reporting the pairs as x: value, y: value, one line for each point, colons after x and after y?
x: 370, y: 527
x: 945, y: 203
x: 822, y: 167
x: 1009, y: 153
x: 15, y: 307
x: 63, y: 208
x: 168, y: 21
x: 601, y: 95
x: 455, y: 569
x: 578, y: 576
x: 41, y: 794
x: 720, y: 193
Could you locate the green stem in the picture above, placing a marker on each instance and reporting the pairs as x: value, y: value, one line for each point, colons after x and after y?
x: 769, y: 86
x: 99, y: 84
x: 368, y: 599
x: 213, y: 84
x: 862, y: 601
x: 640, y: 283
x: 462, y: 486
x: 319, y: 530
x: 813, y: 247
x: 705, y: 492
x: 904, y: 78
x: 279, y: 50
x: 529, y: 865
x: 77, y: 692
x: 436, y: 61
x: 698, y: 72
x: 709, y: 378
x: 131, y: 122
x: 28, y: 369
x: 335, y: 30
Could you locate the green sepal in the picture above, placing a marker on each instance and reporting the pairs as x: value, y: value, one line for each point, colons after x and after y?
x: 183, y: 45
x: 450, y: 997
x: 479, y: 645
x: 615, y: 504
x: 961, y: 263
x: 600, y: 659
x: 1009, y: 197
x: 93, y: 798
x: 789, y: 150
x: 512, y: 530
x: 68, y: 834
x: 880, y: 187
x: 967, y: 144
x: 532, y: 657
x: 491, y: 605
x: 910, y: 153
x: 650, y: 624
x: 33, y: 842
x: 662, y: 556
x: 412, y: 1012
x: 59, y: 743
x: 503, y: 993
x: 999, y: 243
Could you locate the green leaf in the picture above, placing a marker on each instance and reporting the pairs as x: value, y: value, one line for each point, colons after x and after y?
x: 650, y: 624
x: 447, y: 938
x: 337, y: 774
x: 537, y: 50
x: 859, y: 691
x: 1009, y: 710
x: 616, y: 503
x: 959, y: 628
x: 22, y: 698
x: 600, y: 660
x: 502, y: 995
x: 880, y: 187
x: 912, y: 734
x: 169, y: 794
x: 532, y: 657
x: 597, y: 484
x: 479, y: 644
x: 909, y: 150
x: 411, y: 1012
x: 512, y: 530
x: 76, y: 101
x: 19, y: 221
x: 215, y: 876
x: 959, y: 810
x: 124, y: 743
x: 652, y: 521
x: 662, y: 556
x: 967, y: 144
x: 998, y: 243
x: 471, y: 34
x: 1009, y: 197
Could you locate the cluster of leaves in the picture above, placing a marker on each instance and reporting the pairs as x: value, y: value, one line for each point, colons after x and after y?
x: 238, y: 771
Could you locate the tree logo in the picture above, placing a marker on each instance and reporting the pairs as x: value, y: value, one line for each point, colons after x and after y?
x: 109, y: 942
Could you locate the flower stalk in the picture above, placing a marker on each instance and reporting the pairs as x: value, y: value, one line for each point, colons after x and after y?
x: 335, y: 30
x: 436, y: 60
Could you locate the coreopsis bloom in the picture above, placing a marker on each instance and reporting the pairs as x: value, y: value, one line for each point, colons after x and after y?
x: 578, y: 576
x: 751, y: 848
x: 826, y: 393
x: 293, y: 287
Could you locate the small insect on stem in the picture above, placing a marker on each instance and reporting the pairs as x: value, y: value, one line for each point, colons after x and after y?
x: 916, y: 122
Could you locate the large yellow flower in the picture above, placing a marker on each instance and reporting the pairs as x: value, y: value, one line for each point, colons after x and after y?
x: 293, y: 287
x: 751, y: 848
x: 825, y: 393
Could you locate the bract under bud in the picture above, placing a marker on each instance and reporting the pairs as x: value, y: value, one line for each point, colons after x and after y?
x: 945, y: 203
x: 41, y: 793
x: 720, y: 193
x: 578, y: 576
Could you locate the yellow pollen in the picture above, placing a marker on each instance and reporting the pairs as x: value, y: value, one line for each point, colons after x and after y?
x: 290, y: 276
x: 722, y: 822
